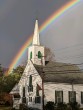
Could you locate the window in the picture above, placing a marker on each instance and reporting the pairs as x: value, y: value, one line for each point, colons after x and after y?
x: 37, y: 90
x: 23, y: 91
x: 58, y: 96
x: 82, y: 97
x: 37, y: 99
x: 30, y: 87
x: 30, y: 99
x: 23, y: 99
x: 39, y: 55
x: 17, y: 95
x: 72, y: 96
x: 30, y: 55
x: 30, y: 80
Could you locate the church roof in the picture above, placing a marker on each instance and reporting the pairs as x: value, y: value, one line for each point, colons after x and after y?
x: 15, y: 89
x: 60, y: 73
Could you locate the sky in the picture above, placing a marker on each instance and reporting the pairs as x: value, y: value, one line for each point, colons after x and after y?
x: 64, y: 36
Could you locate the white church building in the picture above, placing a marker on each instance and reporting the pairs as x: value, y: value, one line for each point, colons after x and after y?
x: 44, y: 81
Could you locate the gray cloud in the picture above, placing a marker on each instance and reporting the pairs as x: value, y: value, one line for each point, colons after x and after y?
x: 17, y: 23
x: 65, y: 36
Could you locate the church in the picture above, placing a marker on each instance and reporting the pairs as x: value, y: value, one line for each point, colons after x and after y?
x: 44, y: 81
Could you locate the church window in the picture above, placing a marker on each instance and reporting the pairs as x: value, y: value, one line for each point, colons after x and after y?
x: 72, y: 96
x: 82, y: 97
x: 23, y: 91
x: 30, y: 80
x: 37, y: 98
x: 23, y: 99
x: 30, y: 99
x: 17, y: 95
x: 58, y: 96
x: 30, y: 87
x: 30, y: 55
x: 39, y: 55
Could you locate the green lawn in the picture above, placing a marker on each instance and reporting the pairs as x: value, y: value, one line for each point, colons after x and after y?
x: 5, y: 108
x: 9, y: 108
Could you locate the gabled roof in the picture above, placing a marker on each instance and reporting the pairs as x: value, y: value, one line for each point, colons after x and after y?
x: 60, y: 73
x: 15, y: 89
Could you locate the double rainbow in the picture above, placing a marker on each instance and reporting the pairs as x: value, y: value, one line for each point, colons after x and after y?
x: 50, y: 20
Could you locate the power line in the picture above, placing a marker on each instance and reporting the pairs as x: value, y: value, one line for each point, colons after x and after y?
x: 70, y: 57
x: 63, y: 64
x: 69, y: 47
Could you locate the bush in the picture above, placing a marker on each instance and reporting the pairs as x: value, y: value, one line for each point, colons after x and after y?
x: 49, y: 105
x: 12, y: 108
x: 61, y: 106
x: 7, y: 103
x: 23, y: 107
x: 33, y: 108
x: 74, y: 105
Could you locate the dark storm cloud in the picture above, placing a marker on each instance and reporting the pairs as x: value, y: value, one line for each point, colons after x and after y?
x: 17, y: 19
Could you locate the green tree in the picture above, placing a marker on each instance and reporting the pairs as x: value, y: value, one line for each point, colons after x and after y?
x: 8, y: 82
x: 1, y: 70
x: 19, y: 69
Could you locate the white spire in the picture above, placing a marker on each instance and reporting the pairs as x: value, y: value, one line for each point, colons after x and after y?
x: 36, y: 34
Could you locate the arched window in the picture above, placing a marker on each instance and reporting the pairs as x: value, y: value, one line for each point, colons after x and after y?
x: 30, y: 55
x: 39, y: 54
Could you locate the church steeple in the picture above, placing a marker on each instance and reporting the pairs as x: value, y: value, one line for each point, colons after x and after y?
x: 36, y: 52
x: 36, y: 34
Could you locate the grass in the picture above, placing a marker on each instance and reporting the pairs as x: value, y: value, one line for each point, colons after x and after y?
x: 5, y: 108
x: 9, y: 108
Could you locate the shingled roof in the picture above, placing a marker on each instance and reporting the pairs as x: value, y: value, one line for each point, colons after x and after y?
x: 60, y: 73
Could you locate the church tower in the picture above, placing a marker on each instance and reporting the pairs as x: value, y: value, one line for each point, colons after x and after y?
x: 36, y: 52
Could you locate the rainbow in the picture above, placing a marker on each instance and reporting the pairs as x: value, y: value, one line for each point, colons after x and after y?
x: 50, y: 20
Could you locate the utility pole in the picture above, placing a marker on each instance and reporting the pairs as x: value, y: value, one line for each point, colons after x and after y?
x: 72, y: 86
x: 72, y: 92
x: 42, y: 85
x: 42, y: 75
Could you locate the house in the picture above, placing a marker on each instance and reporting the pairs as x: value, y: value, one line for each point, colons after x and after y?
x: 44, y: 81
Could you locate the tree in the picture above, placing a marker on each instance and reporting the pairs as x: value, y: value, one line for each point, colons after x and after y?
x: 49, y: 55
x: 1, y: 70
x: 19, y: 69
x: 8, y: 82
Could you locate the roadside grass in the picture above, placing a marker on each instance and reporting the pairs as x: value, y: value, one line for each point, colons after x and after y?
x: 9, y: 108
x: 5, y: 108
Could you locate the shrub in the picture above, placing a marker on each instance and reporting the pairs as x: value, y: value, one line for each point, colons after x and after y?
x: 49, y: 105
x: 74, y: 105
x: 7, y: 103
x: 61, y: 106
x: 33, y: 108
x: 12, y: 108
x: 23, y: 107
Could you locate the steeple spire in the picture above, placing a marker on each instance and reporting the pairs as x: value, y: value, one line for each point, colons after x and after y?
x: 36, y: 34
